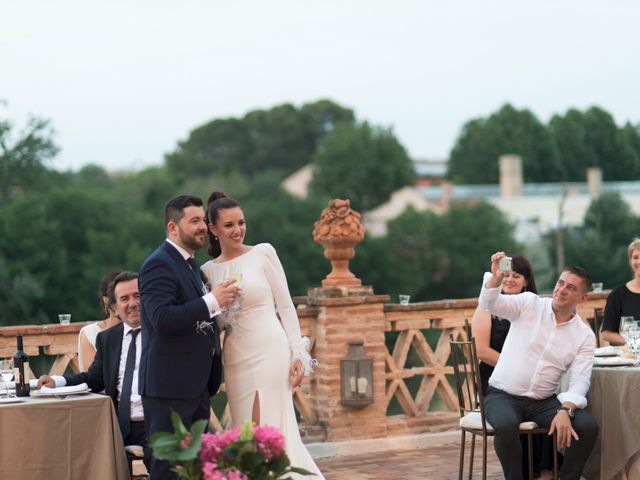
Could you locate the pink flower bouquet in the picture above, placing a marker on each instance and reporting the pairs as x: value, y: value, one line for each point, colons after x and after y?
x: 247, y: 453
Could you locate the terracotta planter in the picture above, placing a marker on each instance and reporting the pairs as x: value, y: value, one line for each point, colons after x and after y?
x: 339, y: 230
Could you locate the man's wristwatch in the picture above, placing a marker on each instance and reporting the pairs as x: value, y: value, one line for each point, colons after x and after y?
x: 570, y: 411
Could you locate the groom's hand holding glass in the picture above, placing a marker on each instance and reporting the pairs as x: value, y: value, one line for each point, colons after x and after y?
x: 227, y: 292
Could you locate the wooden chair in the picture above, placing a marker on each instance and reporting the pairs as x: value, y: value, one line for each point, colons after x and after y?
x: 598, y: 316
x: 471, y: 404
x: 134, y: 452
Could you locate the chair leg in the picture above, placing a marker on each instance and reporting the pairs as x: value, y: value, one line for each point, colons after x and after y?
x: 473, y: 449
x: 130, y: 462
x: 530, y: 454
x: 484, y: 457
x: 556, y: 474
x: 461, y: 467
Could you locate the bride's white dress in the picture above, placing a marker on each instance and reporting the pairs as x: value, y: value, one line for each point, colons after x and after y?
x: 258, y: 348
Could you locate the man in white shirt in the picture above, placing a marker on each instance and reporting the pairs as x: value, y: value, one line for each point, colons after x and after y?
x: 547, y: 338
x: 115, y: 368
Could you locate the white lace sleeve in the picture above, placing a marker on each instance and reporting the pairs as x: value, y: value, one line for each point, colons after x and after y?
x: 298, y: 344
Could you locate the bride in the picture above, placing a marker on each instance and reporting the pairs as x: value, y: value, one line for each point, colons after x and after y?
x: 264, y: 356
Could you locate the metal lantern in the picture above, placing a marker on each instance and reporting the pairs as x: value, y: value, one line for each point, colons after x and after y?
x: 356, y: 377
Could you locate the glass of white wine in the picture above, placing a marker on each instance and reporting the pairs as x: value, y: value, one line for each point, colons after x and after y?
x: 235, y: 272
x: 6, y: 372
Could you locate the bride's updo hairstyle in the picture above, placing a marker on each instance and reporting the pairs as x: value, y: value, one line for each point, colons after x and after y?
x: 217, y: 201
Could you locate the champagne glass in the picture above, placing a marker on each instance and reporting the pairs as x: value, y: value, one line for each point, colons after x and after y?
x: 6, y: 372
x: 235, y: 272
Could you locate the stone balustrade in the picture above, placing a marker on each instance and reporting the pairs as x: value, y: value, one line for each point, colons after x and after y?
x: 411, y: 374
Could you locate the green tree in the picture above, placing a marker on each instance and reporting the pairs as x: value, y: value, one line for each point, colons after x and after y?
x: 474, y: 157
x: 363, y: 163
x: 592, y: 139
x: 20, y: 295
x: 22, y: 160
x: 600, y: 243
x: 283, y: 137
x: 431, y: 256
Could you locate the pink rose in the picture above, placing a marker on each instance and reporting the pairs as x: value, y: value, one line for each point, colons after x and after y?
x: 269, y: 440
x: 236, y: 475
x: 186, y: 441
x: 214, y: 444
x: 211, y: 472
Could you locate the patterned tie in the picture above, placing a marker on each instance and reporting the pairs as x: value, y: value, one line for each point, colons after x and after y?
x: 195, y: 271
x: 124, y: 407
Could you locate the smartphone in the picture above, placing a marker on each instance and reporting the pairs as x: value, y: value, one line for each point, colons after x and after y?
x: 504, y: 265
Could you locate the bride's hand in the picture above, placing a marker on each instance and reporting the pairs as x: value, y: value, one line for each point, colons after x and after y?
x: 296, y: 372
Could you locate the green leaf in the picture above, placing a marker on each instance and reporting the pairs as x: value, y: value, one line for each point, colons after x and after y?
x: 178, y: 426
x: 299, y: 470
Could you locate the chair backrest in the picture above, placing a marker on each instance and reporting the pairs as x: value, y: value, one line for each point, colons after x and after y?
x: 467, y: 329
x: 467, y: 374
x: 598, y: 316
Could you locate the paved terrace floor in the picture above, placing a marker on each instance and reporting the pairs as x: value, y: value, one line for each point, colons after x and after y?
x: 433, y: 462
x: 437, y: 461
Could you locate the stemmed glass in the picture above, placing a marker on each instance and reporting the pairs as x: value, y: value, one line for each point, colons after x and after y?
x: 6, y: 372
x: 625, y: 324
x: 633, y: 337
x: 235, y: 272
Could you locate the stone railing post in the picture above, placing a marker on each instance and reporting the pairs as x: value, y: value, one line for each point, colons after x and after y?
x: 347, y: 311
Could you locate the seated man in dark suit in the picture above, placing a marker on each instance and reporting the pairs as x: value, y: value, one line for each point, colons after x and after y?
x: 115, y: 368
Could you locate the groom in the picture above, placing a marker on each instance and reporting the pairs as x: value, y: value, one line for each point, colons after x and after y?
x: 180, y: 365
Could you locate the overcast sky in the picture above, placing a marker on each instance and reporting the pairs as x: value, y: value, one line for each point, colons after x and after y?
x: 123, y: 82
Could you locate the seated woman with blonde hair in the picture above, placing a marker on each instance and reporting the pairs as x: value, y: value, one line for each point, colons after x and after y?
x: 88, y: 333
x: 624, y: 300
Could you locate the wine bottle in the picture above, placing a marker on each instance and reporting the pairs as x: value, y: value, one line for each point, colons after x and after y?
x: 20, y: 369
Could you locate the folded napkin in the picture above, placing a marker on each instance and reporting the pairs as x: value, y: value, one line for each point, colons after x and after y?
x: 33, y: 383
x: 613, y: 361
x: 83, y: 387
x: 606, y: 351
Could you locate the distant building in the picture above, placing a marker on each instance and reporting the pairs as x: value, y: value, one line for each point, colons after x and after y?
x: 428, y: 172
x: 375, y: 221
x: 297, y: 184
x: 533, y: 208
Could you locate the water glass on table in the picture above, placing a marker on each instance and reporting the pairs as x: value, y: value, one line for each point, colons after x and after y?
x: 6, y: 373
x: 633, y: 337
x: 65, y: 318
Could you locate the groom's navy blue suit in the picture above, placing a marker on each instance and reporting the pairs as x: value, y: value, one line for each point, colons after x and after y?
x: 180, y: 365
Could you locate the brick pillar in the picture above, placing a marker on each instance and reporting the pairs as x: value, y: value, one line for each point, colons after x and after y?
x: 346, y: 314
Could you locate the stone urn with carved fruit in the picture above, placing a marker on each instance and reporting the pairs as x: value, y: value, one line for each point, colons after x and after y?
x: 339, y: 230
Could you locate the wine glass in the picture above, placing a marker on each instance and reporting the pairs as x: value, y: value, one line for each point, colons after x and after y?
x: 625, y: 324
x: 633, y: 337
x: 6, y: 372
x: 235, y: 272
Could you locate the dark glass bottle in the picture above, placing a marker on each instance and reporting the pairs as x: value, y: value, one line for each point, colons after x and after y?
x: 20, y: 368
